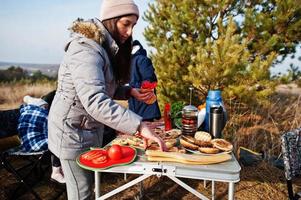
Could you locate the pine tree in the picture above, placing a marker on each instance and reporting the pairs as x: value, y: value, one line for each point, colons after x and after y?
x: 220, y: 44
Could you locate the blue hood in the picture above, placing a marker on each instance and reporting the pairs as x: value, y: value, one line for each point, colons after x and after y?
x: 141, y: 50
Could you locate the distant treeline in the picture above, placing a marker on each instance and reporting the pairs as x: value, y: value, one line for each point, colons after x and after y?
x: 16, y: 74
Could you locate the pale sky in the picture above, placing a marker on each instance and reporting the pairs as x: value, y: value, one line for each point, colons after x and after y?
x: 35, y: 31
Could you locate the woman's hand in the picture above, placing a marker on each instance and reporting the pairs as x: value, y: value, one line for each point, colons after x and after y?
x: 144, y: 95
x: 148, y: 134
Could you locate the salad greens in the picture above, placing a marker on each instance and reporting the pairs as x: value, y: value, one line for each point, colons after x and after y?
x: 176, y: 115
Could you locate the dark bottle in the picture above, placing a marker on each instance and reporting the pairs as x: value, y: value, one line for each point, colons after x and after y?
x: 216, y: 121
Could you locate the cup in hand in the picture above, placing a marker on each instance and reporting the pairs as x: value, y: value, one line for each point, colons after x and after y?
x: 153, y: 97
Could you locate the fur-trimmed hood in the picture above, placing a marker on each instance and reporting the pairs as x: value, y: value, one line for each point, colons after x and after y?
x: 93, y: 29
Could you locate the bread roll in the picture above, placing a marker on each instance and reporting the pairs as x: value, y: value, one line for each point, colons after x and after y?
x: 188, y: 145
x: 188, y: 139
x: 202, y: 136
x: 222, y: 144
x: 209, y: 150
x: 203, y: 143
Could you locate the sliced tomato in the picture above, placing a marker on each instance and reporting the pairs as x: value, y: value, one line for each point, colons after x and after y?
x: 92, y: 155
x: 101, y: 159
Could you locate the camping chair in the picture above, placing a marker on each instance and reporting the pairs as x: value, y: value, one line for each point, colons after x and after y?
x: 33, y: 164
x: 33, y: 161
x: 291, y: 149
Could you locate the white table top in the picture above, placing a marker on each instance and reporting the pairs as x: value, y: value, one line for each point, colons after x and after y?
x: 227, y: 171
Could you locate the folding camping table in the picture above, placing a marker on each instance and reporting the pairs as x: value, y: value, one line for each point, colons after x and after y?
x: 223, y: 172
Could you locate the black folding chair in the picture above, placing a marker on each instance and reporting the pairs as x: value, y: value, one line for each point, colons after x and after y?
x: 33, y: 163
x: 291, y: 149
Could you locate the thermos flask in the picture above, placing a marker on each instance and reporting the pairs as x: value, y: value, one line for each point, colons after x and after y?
x: 214, y: 98
x: 216, y: 121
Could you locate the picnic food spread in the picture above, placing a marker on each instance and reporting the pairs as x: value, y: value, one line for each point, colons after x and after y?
x: 200, y: 149
x: 195, y: 150
x: 203, y: 143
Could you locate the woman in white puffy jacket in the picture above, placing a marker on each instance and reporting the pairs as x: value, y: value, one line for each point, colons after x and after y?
x: 95, y: 66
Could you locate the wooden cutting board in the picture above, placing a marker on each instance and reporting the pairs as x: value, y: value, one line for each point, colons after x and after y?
x: 186, y: 158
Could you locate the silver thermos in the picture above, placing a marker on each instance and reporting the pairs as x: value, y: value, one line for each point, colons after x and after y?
x: 216, y: 121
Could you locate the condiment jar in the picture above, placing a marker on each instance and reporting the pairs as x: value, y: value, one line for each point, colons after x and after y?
x: 189, y: 120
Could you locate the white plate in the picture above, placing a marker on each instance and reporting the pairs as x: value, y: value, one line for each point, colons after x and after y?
x: 207, y: 154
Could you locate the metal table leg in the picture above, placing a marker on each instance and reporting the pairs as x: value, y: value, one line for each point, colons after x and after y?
x: 97, y: 184
x: 187, y: 187
x: 205, y: 184
x: 213, y: 189
x: 123, y: 187
x: 231, y: 191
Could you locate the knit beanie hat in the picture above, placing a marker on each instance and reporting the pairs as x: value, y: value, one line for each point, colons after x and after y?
x: 116, y: 8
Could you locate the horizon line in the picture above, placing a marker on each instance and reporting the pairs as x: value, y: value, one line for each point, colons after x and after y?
x: 38, y: 63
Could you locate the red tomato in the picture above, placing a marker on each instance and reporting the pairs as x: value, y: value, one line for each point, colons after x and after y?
x: 115, y: 152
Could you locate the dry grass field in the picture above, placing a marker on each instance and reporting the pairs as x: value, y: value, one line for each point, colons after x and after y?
x: 11, y: 95
x: 258, y: 129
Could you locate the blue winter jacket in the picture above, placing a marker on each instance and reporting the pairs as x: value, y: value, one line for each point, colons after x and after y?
x: 142, y: 69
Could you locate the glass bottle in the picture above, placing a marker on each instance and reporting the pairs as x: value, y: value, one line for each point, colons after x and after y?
x: 167, y: 117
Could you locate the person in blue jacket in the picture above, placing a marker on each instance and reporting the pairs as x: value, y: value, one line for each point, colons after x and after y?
x: 142, y: 69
